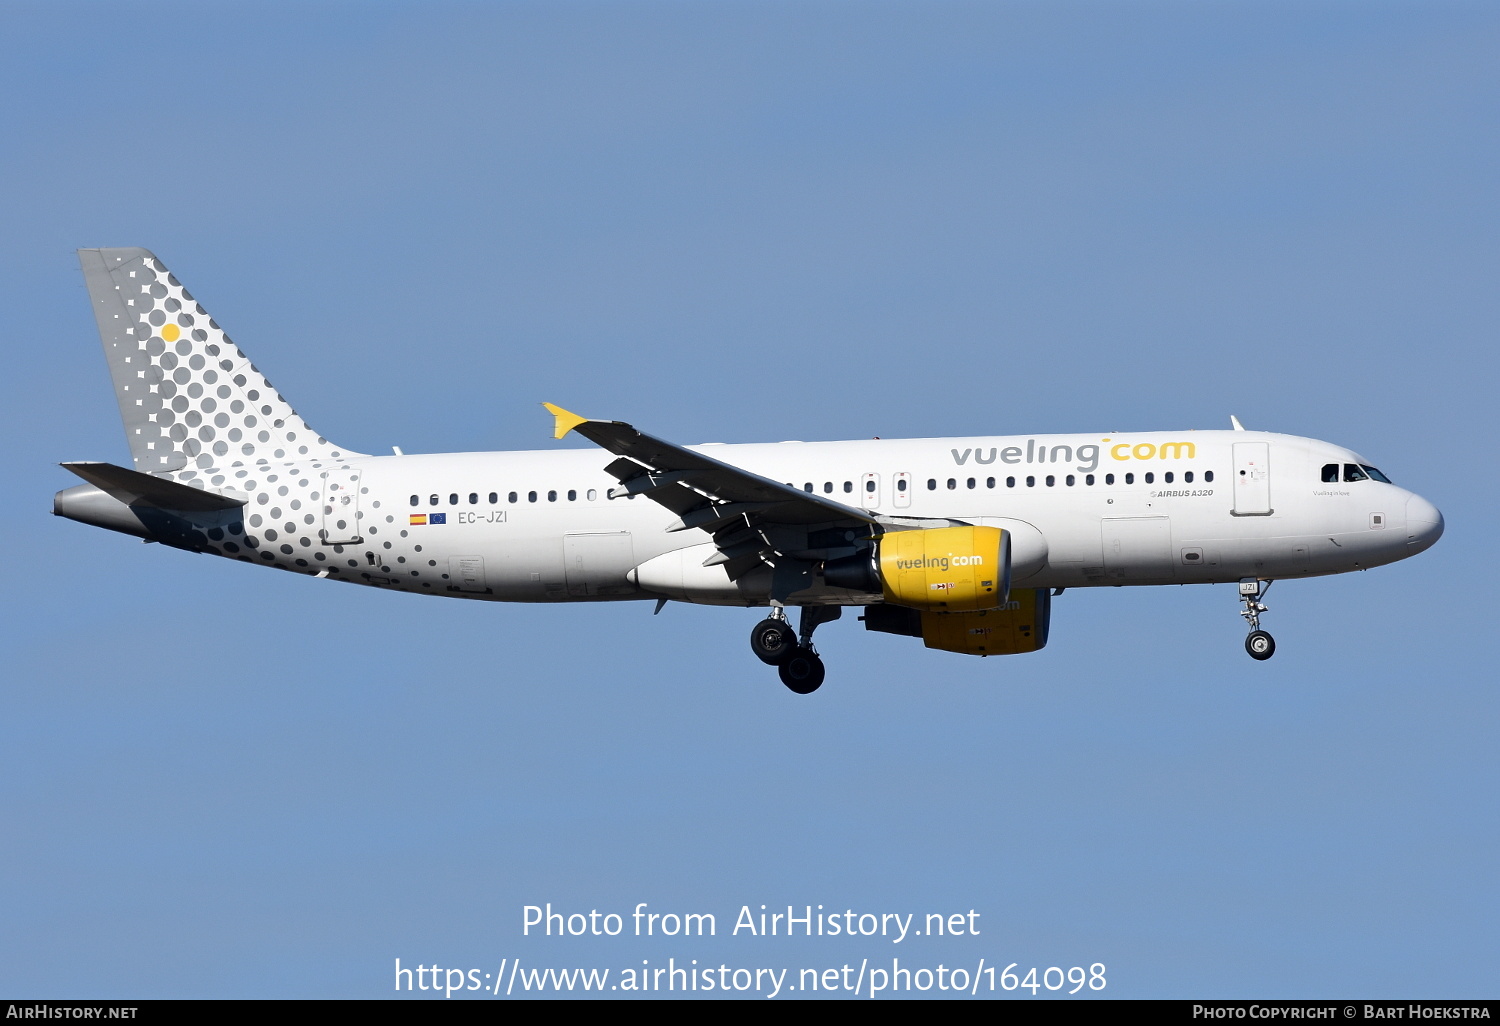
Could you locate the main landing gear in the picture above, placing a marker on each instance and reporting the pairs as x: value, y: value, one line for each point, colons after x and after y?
x: 796, y: 661
x: 1258, y: 643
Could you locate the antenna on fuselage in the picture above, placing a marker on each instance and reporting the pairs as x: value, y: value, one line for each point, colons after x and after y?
x: 1235, y: 423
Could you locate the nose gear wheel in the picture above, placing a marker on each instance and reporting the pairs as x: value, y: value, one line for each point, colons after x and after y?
x: 1260, y: 645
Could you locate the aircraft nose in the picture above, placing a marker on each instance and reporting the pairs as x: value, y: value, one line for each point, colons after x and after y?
x: 1424, y: 524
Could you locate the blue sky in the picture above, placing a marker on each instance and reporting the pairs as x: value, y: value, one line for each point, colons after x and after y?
x: 750, y: 222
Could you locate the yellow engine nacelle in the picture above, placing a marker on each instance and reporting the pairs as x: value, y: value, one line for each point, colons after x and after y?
x: 945, y: 569
x: 1020, y: 625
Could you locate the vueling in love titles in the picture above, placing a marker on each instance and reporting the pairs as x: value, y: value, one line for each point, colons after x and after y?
x: 960, y: 542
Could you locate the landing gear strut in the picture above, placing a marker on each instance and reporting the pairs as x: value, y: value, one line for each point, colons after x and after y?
x: 795, y: 659
x: 1258, y: 643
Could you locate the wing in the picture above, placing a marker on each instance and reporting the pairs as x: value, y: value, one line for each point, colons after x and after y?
x: 753, y: 520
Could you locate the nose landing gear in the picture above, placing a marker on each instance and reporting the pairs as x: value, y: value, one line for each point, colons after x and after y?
x: 1258, y: 643
x: 796, y: 661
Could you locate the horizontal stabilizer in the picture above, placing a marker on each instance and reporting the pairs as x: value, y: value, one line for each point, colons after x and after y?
x: 136, y: 489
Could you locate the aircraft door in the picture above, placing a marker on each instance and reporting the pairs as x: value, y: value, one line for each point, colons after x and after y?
x: 341, y: 506
x: 1252, y: 479
x: 869, y: 491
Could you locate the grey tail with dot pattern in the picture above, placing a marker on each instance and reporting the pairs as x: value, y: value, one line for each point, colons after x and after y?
x: 189, y: 398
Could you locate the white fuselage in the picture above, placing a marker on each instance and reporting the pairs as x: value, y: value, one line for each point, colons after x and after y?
x: 1133, y: 509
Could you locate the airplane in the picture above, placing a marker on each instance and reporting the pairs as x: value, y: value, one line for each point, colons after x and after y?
x: 962, y: 542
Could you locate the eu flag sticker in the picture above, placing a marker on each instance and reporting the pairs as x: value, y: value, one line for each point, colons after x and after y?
x: 437, y: 518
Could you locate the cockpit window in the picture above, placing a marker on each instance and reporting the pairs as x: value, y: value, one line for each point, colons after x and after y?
x: 1377, y: 475
x: 1330, y: 473
x: 1353, y: 473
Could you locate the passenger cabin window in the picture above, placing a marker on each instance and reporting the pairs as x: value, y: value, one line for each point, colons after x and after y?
x: 512, y: 497
x: 432, y: 500
x: 807, y: 487
x: 1130, y: 479
x: 1010, y: 482
x: 1208, y: 475
x: 1352, y: 473
x: 473, y: 498
x: 552, y: 496
x: 849, y: 486
x: 869, y: 486
x: 952, y: 484
x: 531, y: 496
x: 572, y: 495
x: 1089, y: 479
x: 416, y: 500
x: 453, y: 498
x: 989, y: 482
x: 1150, y: 477
x: 1109, y: 479
x: 1188, y: 477
x: 494, y: 498
x: 1030, y: 482
x: 932, y: 484
x: 900, y: 484
x: 1070, y: 479
x: 1167, y: 477
x: 593, y: 494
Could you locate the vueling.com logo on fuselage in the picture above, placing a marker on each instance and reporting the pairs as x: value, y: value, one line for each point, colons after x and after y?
x: 938, y: 562
x: 1086, y: 455
x: 1152, y: 451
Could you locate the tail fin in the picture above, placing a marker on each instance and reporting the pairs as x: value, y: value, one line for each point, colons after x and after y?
x: 188, y: 396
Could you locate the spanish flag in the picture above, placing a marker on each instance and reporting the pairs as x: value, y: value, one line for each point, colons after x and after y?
x: 419, y: 520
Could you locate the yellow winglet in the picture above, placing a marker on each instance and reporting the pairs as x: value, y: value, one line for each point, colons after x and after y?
x: 565, y: 421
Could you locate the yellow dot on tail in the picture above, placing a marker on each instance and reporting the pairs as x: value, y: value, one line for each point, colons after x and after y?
x: 170, y: 333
